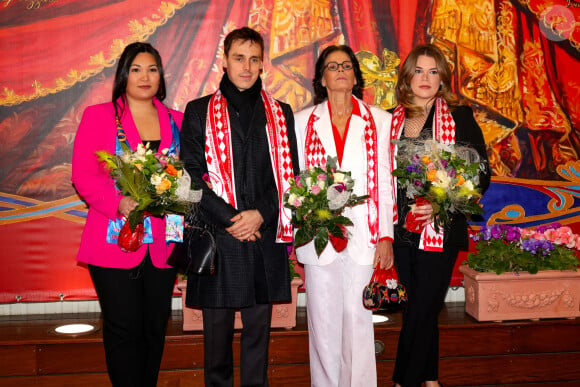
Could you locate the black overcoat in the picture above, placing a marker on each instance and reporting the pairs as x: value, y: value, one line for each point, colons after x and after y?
x: 247, y: 272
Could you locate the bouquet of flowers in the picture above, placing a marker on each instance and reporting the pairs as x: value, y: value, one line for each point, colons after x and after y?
x: 447, y: 176
x: 502, y: 248
x: 157, y: 181
x: 317, y: 197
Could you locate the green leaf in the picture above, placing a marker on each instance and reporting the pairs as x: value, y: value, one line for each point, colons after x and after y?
x: 135, y: 217
x: 302, y: 237
x: 334, y: 229
x: 320, y: 240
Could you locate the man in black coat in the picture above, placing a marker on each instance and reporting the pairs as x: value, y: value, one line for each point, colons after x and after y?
x: 239, y: 146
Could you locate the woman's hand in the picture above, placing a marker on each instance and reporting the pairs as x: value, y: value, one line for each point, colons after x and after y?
x: 246, y: 226
x: 126, y: 205
x: 423, y: 214
x: 384, y: 255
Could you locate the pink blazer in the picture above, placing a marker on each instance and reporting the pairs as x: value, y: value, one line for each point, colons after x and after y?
x: 97, y: 131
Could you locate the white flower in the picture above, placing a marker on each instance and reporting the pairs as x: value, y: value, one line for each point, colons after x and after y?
x: 340, y: 177
x: 308, y: 182
x: 442, y: 179
x: 164, y: 151
x: 292, y: 198
x: 140, y: 150
x: 156, y: 179
x: 337, y: 198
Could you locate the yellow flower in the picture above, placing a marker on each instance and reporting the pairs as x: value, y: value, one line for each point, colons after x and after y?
x: 323, y: 214
x: 468, y: 190
x: 438, y: 192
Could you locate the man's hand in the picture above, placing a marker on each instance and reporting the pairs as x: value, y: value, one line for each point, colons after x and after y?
x: 246, y: 226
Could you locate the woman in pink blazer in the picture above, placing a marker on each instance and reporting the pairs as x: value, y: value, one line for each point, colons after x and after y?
x: 135, y: 288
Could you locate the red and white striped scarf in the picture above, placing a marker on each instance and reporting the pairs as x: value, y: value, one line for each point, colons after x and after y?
x: 218, y: 155
x: 443, y: 132
x: 315, y: 155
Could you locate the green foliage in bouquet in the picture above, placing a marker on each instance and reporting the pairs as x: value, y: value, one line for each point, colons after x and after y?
x: 151, y: 179
x: 446, y: 175
x: 317, y: 197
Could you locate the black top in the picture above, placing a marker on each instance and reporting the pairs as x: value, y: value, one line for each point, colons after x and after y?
x: 153, y: 144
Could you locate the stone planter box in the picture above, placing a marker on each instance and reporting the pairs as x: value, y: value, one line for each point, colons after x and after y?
x: 283, y: 315
x: 509, y: 296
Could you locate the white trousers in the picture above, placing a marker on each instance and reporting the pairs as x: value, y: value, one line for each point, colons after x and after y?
x: 340, y: 331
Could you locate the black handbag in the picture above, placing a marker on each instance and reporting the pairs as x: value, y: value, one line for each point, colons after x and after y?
x: 197, y: 253
x: 384, y: 291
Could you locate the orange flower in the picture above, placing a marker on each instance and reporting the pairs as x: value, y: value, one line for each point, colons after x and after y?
x: 163, y: 186
x: 431, y: 175
x: 426, y: 160
x: 170, y: 169
x: 460, y: 180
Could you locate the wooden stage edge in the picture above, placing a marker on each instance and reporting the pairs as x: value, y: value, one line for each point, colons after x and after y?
x: 516, y: 353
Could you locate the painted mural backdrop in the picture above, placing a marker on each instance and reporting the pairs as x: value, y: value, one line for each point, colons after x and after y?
x: 515, y: 62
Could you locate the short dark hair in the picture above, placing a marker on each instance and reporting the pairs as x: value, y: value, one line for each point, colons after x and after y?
x: 244, y: 34
x: 124, y: 66
x: 320, y: 93
x: 405, y: 93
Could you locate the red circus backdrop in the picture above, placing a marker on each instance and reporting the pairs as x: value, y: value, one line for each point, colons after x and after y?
x: 515, y: 62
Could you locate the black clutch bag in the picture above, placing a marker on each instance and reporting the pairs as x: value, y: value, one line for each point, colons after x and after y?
x: 384, y: 291
x: 197, y: 253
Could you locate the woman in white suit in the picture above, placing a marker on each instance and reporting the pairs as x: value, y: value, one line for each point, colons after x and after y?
x: 341, y: 125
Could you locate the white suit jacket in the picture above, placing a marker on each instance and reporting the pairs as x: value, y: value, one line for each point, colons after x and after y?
x: 354, y: 160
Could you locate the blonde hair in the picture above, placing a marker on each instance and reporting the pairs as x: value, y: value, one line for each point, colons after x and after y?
x: 405, y: 93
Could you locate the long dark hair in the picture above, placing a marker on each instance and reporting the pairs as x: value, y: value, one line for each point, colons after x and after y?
x: 404, y: 91
x: 320, y: 93
x: 122, y: 74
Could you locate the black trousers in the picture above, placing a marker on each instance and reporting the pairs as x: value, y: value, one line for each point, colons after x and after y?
x: 135, y: 305
x: 218, y: 335
x: 426, y: 276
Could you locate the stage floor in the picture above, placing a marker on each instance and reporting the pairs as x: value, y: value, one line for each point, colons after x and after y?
x: 545, y: 352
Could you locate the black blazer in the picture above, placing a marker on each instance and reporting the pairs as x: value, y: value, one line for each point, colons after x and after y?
x: 467, y: 133
x: 247, y: 272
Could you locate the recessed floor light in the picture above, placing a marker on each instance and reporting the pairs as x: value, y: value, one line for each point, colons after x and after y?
x: 75, y: 329
x: 379, y: 318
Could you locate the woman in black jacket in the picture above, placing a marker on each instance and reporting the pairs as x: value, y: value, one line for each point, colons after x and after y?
x: 428, y: 109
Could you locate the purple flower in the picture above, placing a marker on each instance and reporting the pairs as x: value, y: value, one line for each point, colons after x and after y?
x: 413, y: 168
x: 547, y: 227
x: 418, y: 183
x: 496, y: 232
x: 485, y: 233
x: 444, y: 163
x: 452, y: 172
x: 512, y: 234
